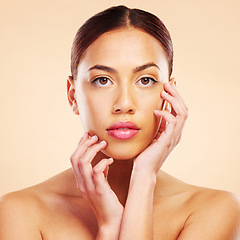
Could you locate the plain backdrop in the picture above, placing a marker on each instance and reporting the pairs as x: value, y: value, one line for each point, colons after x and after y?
x: 38, y: 130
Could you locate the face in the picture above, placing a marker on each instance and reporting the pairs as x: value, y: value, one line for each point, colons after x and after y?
x: 118, y: 86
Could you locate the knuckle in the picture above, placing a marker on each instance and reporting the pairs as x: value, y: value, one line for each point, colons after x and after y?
x: 96, y: 171
x: 73, y: 159
x: 99, y: 192
x: 80, y: 189
x: 168, y: 144
x: 81, y: 164
x: 174, y: 121
x: 185, y: 115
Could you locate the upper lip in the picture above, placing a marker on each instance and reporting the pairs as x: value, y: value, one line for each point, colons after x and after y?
x: 123, y: 124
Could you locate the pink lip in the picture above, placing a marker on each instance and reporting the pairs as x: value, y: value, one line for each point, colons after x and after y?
x: 123, y: 130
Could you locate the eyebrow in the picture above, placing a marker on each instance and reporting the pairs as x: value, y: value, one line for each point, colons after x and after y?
x: 148, y: 65
x: 112, y: 70
x: 104, y: 68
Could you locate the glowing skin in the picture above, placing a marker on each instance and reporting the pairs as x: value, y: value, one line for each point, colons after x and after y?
x: 112, y: 86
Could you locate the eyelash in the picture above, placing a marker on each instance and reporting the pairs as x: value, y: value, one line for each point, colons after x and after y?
x: 149, y: 78
x: 96, y: 81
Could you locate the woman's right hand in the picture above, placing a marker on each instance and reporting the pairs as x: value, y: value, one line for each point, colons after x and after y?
x: 93, y: 185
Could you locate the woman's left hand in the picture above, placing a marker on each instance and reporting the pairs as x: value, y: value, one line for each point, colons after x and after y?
x: 153, y: 157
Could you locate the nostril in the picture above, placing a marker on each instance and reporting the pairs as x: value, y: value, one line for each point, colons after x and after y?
x: 116, y: 108
x: 122, y: 109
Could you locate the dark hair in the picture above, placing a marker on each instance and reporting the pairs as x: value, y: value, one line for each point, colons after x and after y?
x: 114, y: 18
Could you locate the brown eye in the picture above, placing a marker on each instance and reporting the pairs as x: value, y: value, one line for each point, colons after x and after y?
x: 102, y: 81
x: 146, y: 81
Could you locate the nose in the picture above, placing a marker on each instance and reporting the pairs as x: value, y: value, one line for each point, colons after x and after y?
x: 124, y: 102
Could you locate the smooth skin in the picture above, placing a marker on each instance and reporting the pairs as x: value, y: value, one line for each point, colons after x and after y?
x: 116, y: 188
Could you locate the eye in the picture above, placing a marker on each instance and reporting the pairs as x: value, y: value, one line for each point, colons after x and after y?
x: 102, y: 81
x: 146, y: 81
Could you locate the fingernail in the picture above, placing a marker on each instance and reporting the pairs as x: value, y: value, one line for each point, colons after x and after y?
x: 103, y: 141
x: 95, y: 136
x: 168, y: 84
x: 164, y: 92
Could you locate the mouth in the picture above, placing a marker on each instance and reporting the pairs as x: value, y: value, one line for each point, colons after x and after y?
x: 123, y: 130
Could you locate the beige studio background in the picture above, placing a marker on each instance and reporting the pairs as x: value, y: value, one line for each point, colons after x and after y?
x: 38, y: 131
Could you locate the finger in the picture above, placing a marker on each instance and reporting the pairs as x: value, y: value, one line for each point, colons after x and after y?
x: 175, y: 129
x: 162, y: 125
x: 170, y: 119
x: 79, y: 180
x: 181, y: 114
x: 83, y: 145
x: 172, y: 90
x: 99, y: 175
x: 92, y: 150
x: 85, y: 165
x: 84, y: 136
x: 75, y: 168
x: 178, y: 109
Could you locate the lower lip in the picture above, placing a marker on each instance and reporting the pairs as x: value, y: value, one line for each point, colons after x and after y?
x: 123, y: 134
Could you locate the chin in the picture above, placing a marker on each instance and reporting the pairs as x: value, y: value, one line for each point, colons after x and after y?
x: 119, y: 155
x: 122, y: 153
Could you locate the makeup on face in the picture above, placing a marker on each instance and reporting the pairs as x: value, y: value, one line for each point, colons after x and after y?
x: 118, y: 88
x: 123, y: 130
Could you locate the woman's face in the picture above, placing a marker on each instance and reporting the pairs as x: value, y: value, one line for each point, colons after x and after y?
x: 119, y: 81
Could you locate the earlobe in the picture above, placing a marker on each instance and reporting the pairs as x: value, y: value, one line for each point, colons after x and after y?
x: 71, y: 95
x: 75, y: 107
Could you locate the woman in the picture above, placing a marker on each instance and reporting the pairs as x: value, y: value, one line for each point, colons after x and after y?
x: 133, y: 117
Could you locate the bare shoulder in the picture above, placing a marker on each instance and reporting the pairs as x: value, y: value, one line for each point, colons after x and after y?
x: 200, y: 213
x: 19, y: 218
x: 214, y: 214
x: 52, y: 209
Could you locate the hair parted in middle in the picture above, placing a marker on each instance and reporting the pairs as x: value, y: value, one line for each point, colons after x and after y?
x: 114, y: 18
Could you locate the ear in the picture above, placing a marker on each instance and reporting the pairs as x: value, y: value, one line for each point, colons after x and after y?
x: 71, y: 95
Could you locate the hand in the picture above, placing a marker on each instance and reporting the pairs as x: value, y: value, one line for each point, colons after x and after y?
x: 153, y: 157
x: 92, y: 181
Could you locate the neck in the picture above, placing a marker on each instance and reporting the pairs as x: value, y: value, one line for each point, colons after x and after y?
x: 119, y: 175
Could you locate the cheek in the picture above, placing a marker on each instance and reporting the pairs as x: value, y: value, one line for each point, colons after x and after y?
x: 93, y: 115
x: 150, y: 122
x: 145, y: 118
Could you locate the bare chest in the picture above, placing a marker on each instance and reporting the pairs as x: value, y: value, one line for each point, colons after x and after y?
x: 70, y: 224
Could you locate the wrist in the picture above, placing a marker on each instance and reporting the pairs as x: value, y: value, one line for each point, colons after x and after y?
x: 110, y: 232
x: 145, y: 179
x: 143, y: 174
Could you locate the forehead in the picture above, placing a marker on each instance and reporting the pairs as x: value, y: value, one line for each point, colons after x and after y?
x: 126, y: 46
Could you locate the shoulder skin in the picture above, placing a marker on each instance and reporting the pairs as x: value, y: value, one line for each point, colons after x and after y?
x: 216, y: 216
x: 19, y: 216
